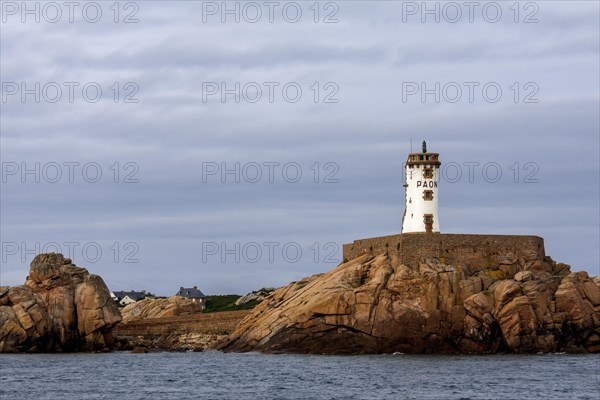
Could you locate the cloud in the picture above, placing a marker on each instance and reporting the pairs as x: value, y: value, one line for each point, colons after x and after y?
x: 170, y: 135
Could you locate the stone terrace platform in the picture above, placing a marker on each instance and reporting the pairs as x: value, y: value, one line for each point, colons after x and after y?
x: 475, y: 251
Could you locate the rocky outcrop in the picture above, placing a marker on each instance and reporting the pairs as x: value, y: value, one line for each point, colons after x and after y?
x: 159, y: 308
x: 61, y: 307
x: 376, y: 304
x: 254, y: 297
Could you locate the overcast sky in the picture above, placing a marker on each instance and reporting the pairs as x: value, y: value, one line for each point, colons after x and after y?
x: 170, y: 221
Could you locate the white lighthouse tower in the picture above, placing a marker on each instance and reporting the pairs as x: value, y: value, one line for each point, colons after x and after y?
x: 421, y: 174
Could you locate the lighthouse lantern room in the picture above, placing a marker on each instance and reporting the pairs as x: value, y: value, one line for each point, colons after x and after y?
x: 421, y: 178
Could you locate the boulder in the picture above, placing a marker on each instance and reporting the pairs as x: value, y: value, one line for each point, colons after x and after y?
x: 158, y: 308
x: 61, y: 307
x: 256, y: 296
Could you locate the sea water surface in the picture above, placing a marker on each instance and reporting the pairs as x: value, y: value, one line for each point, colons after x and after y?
x: 214, y: 375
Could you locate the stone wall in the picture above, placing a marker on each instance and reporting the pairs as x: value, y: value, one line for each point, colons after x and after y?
x: 185, y: 332
x: 476, y: 251
x: 217, y: 323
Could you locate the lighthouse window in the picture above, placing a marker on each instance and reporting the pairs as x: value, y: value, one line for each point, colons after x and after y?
x: 428, y: 221
x: 428, y: 195
x: 428, y: 173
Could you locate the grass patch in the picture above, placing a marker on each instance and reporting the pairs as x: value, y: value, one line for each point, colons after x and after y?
x: 226, y: 303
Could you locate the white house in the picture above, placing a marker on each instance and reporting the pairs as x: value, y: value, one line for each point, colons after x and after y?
x: 194, y: 294
x: 125, y: 298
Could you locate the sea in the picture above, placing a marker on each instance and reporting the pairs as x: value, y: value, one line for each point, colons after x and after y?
x: 215, y: 375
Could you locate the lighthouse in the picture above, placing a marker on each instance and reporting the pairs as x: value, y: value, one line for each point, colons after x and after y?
x: 421, y: 178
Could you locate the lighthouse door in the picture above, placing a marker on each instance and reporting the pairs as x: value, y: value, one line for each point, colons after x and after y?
x: 428, y: 220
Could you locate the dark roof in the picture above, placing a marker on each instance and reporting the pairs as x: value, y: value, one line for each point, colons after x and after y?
x: 190, y: 292
x: 133, y: 295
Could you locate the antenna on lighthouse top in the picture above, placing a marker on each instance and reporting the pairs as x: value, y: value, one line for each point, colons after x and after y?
x: 411, y: 144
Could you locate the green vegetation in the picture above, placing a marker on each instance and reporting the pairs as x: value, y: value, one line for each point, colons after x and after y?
x: 226, y: 302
